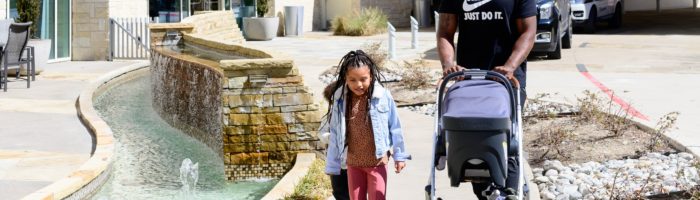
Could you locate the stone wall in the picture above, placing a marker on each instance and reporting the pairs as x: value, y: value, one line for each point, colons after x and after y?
x: 398, y: 11
x: 90, y: 30
x: 217, y: 26
x: 263, y: 125
x: 268, y: 123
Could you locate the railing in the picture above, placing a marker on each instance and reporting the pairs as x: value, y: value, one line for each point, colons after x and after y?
x: 128, y: 38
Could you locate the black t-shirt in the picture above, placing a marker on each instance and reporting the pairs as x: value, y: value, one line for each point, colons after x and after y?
x: 488, y: 31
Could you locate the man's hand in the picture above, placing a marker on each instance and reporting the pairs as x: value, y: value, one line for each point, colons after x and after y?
x: 399, y: 165
x: 509, y: 72
x: 506, y: 71
x: 453, y: 69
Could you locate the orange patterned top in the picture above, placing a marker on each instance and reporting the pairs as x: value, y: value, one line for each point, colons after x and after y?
x: 360, y: 137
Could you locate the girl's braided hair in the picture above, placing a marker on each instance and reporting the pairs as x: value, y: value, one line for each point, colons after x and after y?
x: 352, y: 60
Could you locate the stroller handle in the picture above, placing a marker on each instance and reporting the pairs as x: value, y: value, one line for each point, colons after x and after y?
x: 477, y: 74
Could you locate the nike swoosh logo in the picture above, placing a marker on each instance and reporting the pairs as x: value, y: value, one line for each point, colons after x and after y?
x: 469, y: 7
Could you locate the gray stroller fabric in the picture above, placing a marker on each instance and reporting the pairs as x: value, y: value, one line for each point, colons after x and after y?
x: 477, y: 98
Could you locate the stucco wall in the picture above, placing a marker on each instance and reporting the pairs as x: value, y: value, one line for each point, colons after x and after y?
x: 128, y: 8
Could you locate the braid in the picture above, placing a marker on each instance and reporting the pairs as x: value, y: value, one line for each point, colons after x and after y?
x: 354, y: 59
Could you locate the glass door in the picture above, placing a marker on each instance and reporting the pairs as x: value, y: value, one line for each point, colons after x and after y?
x: 54, y: 24
x: 63, y: 29
x: 185, y: 9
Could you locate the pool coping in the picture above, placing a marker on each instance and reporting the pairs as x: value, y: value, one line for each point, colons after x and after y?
x: 83, y: 181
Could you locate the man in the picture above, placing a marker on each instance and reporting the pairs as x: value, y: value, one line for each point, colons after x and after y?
x: 493, y: 35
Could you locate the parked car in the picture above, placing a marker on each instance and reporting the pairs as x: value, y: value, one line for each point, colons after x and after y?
x: 553, y: 27
x: 586, y: 13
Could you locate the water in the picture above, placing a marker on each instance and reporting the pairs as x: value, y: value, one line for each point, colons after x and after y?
x: 199, y: 52
x: 149, y: 153
x: 189, y: 174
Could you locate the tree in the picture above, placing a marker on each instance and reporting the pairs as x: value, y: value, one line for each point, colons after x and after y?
x: 29, y: 12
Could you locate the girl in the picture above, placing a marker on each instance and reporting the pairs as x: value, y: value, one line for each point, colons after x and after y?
x: 362, y: 119
x: 339, y: 183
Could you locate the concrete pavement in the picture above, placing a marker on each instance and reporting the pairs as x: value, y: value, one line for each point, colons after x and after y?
x: 42, y: 139
x: 652, y: 66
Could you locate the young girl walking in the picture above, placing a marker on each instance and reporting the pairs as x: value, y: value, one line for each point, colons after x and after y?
x: 363, y: 120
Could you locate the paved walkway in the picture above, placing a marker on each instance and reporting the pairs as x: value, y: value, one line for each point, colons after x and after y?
x: 41, y: 137
x: 654, y: 77
x: 43, y: 140
x: 315, y: 52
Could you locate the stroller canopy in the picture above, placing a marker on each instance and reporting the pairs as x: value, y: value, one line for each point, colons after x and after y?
x: 477, y: 98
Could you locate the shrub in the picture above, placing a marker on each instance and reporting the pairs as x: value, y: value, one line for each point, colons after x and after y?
x: 613, y: 118
x: 377, y: 54
x: 28, y: 11
x: 416, y: 75
x: 369, y: 21
x: 666, y: 123
x: 262, y: 7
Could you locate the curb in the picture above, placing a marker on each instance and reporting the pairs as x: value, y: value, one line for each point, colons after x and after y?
x: 94, y: 172
x: 286, y: 185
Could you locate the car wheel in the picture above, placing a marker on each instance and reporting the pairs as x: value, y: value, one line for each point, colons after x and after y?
x: 557, y: 51
x: 590, y: 23
x: 566, y: 41
x: 616, y: 20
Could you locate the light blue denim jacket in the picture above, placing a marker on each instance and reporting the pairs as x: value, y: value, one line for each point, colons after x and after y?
x: 385, y: 125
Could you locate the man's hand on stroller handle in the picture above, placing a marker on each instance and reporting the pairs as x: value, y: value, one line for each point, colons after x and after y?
x: 446, y: 70
x: 509, y: 72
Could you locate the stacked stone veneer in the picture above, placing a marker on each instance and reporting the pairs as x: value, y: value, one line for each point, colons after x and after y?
x: 262, y: 125
x: 268, y: 123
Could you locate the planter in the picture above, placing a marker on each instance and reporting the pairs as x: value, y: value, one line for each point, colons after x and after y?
x: 260, y: 28
x: 42, y: 51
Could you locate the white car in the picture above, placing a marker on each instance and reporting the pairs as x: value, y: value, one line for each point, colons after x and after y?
x: 587, y: 13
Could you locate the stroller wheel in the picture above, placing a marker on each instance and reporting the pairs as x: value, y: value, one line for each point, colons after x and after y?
x: 441, y: 162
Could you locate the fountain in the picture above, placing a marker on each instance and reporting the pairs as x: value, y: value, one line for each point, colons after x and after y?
x: 267, y: 114
x: 243, y: 114
x: 189, y: 174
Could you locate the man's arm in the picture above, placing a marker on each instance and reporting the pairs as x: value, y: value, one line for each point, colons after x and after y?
x: 527, y: 28
x: 445, y: 42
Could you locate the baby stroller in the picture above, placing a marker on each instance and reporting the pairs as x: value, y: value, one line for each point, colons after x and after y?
x: 481, y: 120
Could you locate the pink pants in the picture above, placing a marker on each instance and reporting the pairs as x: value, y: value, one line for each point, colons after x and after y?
x: 366, y: 182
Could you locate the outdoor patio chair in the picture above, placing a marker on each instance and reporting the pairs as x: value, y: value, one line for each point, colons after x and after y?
x: 13, y: 51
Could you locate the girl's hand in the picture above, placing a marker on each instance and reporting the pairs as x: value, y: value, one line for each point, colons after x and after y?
x: 399, y: 165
